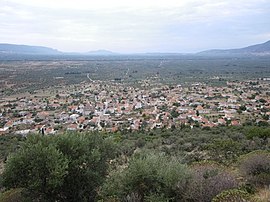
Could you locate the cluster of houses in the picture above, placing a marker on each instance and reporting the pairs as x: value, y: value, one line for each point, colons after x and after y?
x: 110, y: 106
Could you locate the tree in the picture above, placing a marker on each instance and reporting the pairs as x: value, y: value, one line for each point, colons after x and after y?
x: 261, y: 132
x: 67, y: 167
x: 174, y: 113
x: 88, y: 155
x: 243, y: 108
x: 224, y: 151
x: 147, y: 177
x: 39, y: 167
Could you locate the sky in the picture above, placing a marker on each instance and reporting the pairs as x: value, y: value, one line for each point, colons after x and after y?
x: 132, y: 26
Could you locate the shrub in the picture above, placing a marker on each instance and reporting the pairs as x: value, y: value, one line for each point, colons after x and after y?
x: 13, y: 195
x: 263, y: 195
x: 233, y: 195
x: 261, y: 132
x: 148, y: 174
x: 224, y: 150
x: 9, y: 143
x: 208, y: 180
x: 152, y: 197
x: 255, y: 167
x: 133, y: 197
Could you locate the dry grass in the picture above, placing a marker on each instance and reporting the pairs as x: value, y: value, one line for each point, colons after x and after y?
x: 1, y: 167
x: 263, y: 195
x: 12, y: 195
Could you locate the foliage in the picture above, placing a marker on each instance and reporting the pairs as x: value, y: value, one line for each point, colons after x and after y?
x: 148, y: 174
x: 174, y: 71
x: 68, y: 167
x: 88, y: 155
x: 133, y: 197
x: 255, y: 167
x: 174, y: 113
x: 39, y: 167
x: 260, y: 132
x: 263, y: 195
x: 147, y: 167
x: 156, y: 197
x: 224, y: 150
x: 8, y: 144
x: 208, y: 180
x: 12, y: 195
x: 232, y: 195
x: 221, y: 144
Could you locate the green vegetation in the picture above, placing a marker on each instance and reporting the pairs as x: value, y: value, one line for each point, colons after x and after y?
x: 148, y: 176
x: 259, y: 132
x: 215, y: 164
x: 233, y: 195
x: 174, y: 70
x: 8, y: 144
x: 68, y: 167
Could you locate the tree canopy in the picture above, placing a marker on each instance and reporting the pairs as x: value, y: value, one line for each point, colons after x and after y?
x: 68, y: 167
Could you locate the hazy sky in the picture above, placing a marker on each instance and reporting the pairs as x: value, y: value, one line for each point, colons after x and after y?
x: 135, y: 25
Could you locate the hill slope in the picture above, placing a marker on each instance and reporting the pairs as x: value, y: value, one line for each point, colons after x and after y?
x: 258, y: 49
x: 25, y: 49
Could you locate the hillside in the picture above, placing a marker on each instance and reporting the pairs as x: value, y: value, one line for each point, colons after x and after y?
x: 14, y: 49
x: 258, y: 49
x: 25, y: 49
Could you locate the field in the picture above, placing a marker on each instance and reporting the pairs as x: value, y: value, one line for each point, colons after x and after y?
x: 39, y: 72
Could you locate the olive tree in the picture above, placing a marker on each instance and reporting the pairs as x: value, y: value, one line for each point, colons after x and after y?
x: 67, y: 167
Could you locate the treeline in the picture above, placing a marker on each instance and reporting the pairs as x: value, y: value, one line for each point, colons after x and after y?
x: 189, y: 165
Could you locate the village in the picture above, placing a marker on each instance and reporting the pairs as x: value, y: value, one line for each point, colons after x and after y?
x: 110, y: 106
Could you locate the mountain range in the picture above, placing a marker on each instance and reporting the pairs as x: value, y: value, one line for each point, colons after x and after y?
x: 258, y: 49
x: 25, y: 49
x: 10, y: 49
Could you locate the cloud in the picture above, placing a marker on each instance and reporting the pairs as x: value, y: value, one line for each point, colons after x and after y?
x: 142, y: 25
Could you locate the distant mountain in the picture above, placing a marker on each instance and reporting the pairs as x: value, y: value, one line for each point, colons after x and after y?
x: 25, y: 49
x: 257, y: 50
x: 16, y: 50
x: 101, y: 52
x: 162, y: 53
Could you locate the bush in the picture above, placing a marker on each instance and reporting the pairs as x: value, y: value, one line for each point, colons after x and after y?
x: 224, y: 150
x: 261, y: 132
x: 233, y: 195
x: 68, y: 167
x: 9, y: 143
x: 156, y: 198
x: 263, y: 195
x: 208, y: 180
x: 13, y: 195
x: 133, y: 197
x: 148, y: 174
x: 255, y: 167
